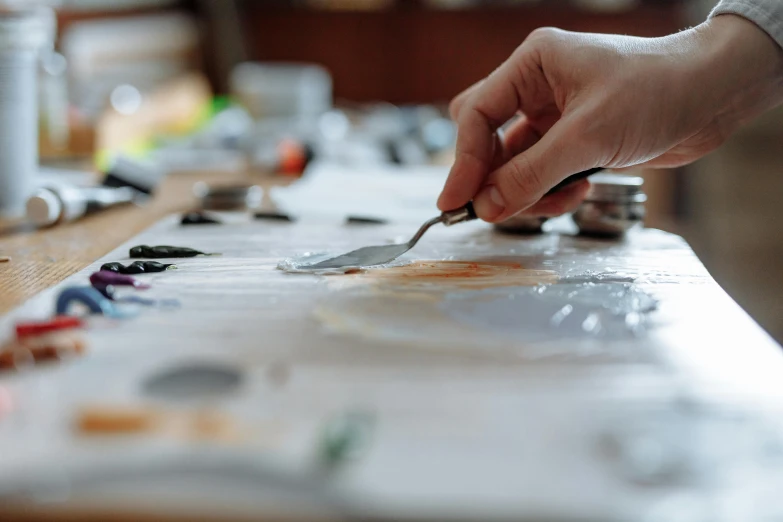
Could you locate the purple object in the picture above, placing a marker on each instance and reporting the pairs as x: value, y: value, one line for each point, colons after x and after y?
x: 104, y: 278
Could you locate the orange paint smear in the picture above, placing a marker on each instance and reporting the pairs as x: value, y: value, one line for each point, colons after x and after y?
x: 473, y: 274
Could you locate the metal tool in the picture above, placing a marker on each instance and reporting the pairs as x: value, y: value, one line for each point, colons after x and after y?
x: 380, y: 255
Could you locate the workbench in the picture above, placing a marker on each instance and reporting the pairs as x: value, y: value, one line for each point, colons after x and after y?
x: 663, y: 410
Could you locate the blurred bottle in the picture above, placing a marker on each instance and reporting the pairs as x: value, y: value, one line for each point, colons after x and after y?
x: 25, y: 30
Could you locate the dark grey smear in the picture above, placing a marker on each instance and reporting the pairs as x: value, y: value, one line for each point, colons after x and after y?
x: 194, y: 381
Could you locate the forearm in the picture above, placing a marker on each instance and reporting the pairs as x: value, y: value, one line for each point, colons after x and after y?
x: 767, y: 14
x: 743, y: 67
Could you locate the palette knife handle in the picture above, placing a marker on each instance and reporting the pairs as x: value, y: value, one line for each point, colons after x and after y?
x: 468, y: 213
x: 460, y: 215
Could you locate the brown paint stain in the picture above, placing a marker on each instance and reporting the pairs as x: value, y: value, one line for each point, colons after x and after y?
x: 121, y: 420
x: 462, y: 274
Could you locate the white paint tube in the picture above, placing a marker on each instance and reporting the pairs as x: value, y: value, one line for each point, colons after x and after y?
x: 60, y: 204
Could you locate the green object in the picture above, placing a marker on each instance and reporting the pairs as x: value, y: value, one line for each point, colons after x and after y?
x: 138, y: 267
x: 162, y: 252
x: 220, y: 103
x: 346, y: 437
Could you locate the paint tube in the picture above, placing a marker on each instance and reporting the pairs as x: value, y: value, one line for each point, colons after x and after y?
x: 60, y: 204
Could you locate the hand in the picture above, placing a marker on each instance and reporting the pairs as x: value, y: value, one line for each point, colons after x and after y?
x: 589, y: 100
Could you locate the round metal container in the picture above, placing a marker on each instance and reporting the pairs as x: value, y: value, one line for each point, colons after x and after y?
x: 613, y: 206
x: 521, y: 225
x: 237, y: 197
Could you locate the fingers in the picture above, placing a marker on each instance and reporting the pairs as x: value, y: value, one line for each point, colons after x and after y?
x: 488, y: 107
x: 519, y: 136
x: 456, y: 104
x: 523, y: 180
x: 561, y: 202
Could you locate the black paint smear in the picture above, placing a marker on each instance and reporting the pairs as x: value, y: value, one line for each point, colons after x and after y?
x: 274, y: 216
x: 138, y: 267
x: 198, y: 218
x: 161, y: 252
x: 365, y: 220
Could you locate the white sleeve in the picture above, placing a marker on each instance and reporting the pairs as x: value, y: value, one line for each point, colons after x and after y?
x: 767, y: 14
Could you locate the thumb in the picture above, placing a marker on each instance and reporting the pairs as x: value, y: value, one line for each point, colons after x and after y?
x: 527, y: 177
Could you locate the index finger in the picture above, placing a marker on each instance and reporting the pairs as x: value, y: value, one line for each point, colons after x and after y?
x: 456, y: 104
x: 492, y: 103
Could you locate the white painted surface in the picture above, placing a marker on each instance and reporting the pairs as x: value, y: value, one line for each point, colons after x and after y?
x: 469, y: 426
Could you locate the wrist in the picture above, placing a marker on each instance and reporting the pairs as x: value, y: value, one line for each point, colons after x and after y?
x: 741, y: 67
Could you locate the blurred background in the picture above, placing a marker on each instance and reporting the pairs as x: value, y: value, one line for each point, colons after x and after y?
x: 160, y: 80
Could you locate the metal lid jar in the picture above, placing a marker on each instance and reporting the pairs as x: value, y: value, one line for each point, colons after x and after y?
x: 613, y: 206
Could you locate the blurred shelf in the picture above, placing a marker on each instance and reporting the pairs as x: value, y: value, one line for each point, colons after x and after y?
x: 386, y: 6
x: 71, y: 13
x: 112, y: 6
x: 412, y: 55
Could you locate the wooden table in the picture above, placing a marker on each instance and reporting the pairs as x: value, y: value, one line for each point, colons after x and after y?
x: 42, y: 258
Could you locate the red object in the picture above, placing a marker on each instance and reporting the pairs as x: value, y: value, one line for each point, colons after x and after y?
x: 293, y: 157
x: 61, y: 322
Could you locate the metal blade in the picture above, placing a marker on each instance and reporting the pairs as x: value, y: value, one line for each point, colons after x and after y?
x: 366, y: 256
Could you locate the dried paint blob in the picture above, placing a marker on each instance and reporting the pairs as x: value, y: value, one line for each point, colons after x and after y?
x: 106, y: 277
x: 194, y: 382
x: 111, y: 293
x: 346, y: 437
x: 138, y: 267
x: 198, y: 218
x: 365, y: 220
x: 606, y: 310
x: 90, y: 299
x: 273, y: 216
x: 165, y: 252
x: 57, y: 323
x: 34, y: 349
x: 116, y: 420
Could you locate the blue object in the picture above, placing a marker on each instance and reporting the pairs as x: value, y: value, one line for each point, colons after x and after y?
x: 94, y: 300
x: 110, y: 293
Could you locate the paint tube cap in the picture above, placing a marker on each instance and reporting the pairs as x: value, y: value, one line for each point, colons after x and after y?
x: 44, y: 208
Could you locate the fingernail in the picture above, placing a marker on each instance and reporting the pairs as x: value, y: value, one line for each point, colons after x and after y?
x: 489, y: 203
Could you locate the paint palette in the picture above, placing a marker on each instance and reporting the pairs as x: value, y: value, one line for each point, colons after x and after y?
x: 550, y: 377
